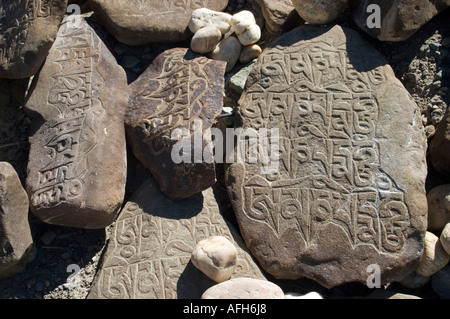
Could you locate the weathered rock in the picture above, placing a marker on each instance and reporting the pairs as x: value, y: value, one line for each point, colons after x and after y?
x: 204, y: 17
x: 414, y: 281
x: 308, y: 296
x: 150, y: 248
x: 275, y: 13
x: 441, y: 283
x: 399, y: 19
x: 245, y: 27
x: 438, y: 207
x: 172, y: 104
x: 16, y: 242
x: 444, y: 238
x: 228, y: 50
x: 249, y: 53
x: 387, y: 294
x: 136, y: 22
x: 320, y: 11
x: 216, y: 257
x: 206, y: 39
x: 28, y: 29
x: 344, y: 185
x: 439, y: 146
x: 434, y: 256
x: 77, y: 167
x: 244, y: 288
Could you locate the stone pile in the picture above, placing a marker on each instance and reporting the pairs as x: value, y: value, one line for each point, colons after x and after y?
x: 331, y: 181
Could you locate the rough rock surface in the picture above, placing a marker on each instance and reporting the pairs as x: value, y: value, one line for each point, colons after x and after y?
x: 399, y: 19
x: 336, y: 204
x: 149, y: 252
x: 275, y: 12
x: 172, y: 104
x: 80, y: 109
x: 438, y: 207
x: 16, y: 242
x: 137, y: 22
x: 440, y: 145
x: 28, y: 29
x: 320, y: 11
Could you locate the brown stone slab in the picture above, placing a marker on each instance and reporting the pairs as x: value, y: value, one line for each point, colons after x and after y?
x: 27, y: 31
x: 16, y: 242
x: 180, y: 94
x: 149, y: 251
x: 77, y: 165
x: 136, y: 22
x: 350, y: 189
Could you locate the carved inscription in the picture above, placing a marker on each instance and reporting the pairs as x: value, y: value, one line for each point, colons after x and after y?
x: 73, y: 136
x: 15, y: 19
x: 152, y: 245
x: 330, y: 169
x: 166, y: 5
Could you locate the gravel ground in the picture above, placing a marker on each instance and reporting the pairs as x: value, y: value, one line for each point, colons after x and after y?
x: 66, y: 259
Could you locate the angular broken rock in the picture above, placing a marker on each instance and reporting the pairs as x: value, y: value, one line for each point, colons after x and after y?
x: 439, y: 146
x: 149, y: 252
x: 16, y: 242
x: 399, y: 19
x: 343, y: 186
x: 172, y: 104
x: 27, y: 31
x: 77, y: 167
x: 136, y: 22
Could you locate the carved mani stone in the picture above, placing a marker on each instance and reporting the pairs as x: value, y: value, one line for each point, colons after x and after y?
x: 172, y: 104
x: 77, y: 166
x: 350, y: 188
x: 16, y: 242
x: 149, y: 252
x: 27, y: 31
x: 136, y: 22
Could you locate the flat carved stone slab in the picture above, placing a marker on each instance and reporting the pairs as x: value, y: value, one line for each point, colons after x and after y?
x: 350, y: 190
x: 77, y: 167
x: 148, y: 255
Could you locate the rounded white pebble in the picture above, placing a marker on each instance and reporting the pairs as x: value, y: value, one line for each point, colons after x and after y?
x: 228, y: 50
x: 245, y: 27
x: 434, y: 257
x: 249, y: 53
x: 205, y: 40
x: 204, y: 17
x: 216, y: 257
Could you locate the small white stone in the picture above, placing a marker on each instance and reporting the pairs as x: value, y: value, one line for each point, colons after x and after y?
x: 228, y: 50
x: 205, y: 17
x: 249, y: 53
x: 216, y: 257
x: 205, y: 40
x: 244, y: 24
x: 244, y: 288
x: 434, y: 256
x: 445, y: 238
x: 310, y: 296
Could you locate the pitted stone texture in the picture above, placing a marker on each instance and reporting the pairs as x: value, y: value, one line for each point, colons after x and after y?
x: 77, y: 167
x: 136, y: 22
x: 16, y: 242
x: 346, y: 187
x: 438, y: 207
x: 149, y: 252
x: 172, y: 104
x: 27, y: 31
x: 320, y: 11
x: 439, y: 146
x: 275, y: 12
x: 399, y: 19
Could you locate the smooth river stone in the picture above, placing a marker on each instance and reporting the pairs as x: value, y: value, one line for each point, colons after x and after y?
x: 77, y: 164
x: 149, y: 252
x: 137, y: 22
x: 27, y: 31
x: 349, y: 191
x: 172, y: 104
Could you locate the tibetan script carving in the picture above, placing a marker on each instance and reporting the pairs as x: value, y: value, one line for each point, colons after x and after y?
x: 334, y: 176
x: 80, y: 126
x: 148, y: 255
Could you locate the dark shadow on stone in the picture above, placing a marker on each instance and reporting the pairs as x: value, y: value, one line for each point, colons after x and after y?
x: 193, y: 283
